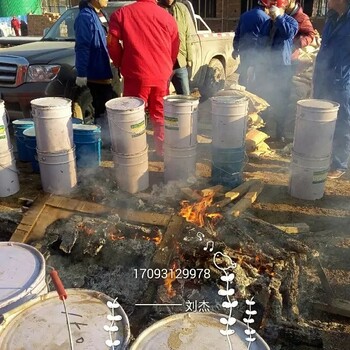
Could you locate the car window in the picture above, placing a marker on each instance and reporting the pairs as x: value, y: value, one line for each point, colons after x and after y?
x: 63, y: 28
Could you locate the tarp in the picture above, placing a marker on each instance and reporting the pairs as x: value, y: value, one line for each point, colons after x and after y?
x: 19, y: 7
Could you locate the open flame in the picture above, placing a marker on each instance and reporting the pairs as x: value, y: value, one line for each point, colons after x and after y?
x: 196, y: 213
x: 169, y: 280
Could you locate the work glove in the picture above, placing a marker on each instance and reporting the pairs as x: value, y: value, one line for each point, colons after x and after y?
x: 275, y: 11
x: 79, y: 81
x: 189, y: 63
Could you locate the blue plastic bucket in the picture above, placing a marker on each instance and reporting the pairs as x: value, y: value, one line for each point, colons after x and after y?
x: 227, y: 166
x: 30, y: 143
x: 77, y: 121
x: 19, y: 126
x: 87, y: 140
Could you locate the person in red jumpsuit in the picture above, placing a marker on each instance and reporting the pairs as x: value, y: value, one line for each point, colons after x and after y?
x: 143, y: 42
x: 16, y: 25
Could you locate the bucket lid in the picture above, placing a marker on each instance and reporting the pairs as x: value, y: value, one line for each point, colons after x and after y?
x: 24, y: 121
x: 41, y: 323
x: 20, y: 266
x: 84, y: 127
x: 318, y: 104
x: 194, y: 331
x: 51, y: 102
x: 230, y: 99
x: 30, y: 132
x: 180, y: 99
x: 125, y: 103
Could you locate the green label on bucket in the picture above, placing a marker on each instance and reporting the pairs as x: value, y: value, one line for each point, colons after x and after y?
x: 138, y: 133
x: 2, y: 132
x: 171, y: 121
x: 319, y: 176
x: 138, y: 125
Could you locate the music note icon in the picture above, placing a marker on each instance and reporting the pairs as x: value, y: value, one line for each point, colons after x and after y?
x: 209, y: 243
x: 200, y: 236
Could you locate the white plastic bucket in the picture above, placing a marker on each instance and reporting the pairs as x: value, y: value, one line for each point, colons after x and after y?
x: 197, y: 331
x: 9, y: 183
x: 40, y: 324
x: 180, y: 121
x: 22, y: 271
x: 179, y: 163
x: 131, y: 171
x: 229, y: 121
x: 53, y: 124
x: 314, y: 127
x: 58, y: 171
x: 127, y: 126
x: 308, y: 177
x: 5, y: 142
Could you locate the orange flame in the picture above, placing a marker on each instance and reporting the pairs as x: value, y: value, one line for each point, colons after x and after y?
x: 114, y: 237
x: 155, y: 239
x: 169, y: 280
x: 196, y: 212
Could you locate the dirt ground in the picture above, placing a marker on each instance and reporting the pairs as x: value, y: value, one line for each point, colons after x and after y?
x: 328, y: 218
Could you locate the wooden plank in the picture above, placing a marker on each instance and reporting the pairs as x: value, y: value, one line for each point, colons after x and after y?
x: 94, y: 208
x: 216, y: 190
x: 48, y: 208
x: 338, y: 307
x: 292, y: 228
x: 235, y: 193
x: 191, y: 194
x: 248, y: 199
x: 29, y: 219
x: 166, y: 249
x: 47, y: 217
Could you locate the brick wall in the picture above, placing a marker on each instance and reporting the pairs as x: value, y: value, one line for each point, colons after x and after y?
x: 227, y: 15
x: 37, y: 23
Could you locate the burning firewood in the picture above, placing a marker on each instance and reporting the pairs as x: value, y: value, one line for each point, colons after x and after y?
x: 191, y: 194
x: 292, y: 228
x: 248, y: 199
x: 214, y: 190
x: 235, y: 193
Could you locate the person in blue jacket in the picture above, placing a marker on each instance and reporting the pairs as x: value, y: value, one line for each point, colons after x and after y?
x: 245, y: 42
x: 91, y: 55
x: 275, y: 59
x: 331, y: 79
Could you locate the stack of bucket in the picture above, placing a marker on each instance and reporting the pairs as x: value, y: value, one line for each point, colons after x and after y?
x: 229, y: 125
x: 127, y: 127
x: 180, y: 139
x: 9, y: 183
x: 55, y: 148
x: 19, y: 126
x: 312, y: 147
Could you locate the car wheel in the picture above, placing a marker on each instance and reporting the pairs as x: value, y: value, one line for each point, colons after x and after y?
x: 82, y: 106
x: 214, y: 79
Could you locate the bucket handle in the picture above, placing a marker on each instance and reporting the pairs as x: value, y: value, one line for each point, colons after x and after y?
x: 245, y: 162
x: 15, y: 171
x: 7, y: 117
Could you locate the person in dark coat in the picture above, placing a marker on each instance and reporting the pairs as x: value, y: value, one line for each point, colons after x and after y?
x: 245, y: 42
x: 24, y: 28
x: 331, y: 79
